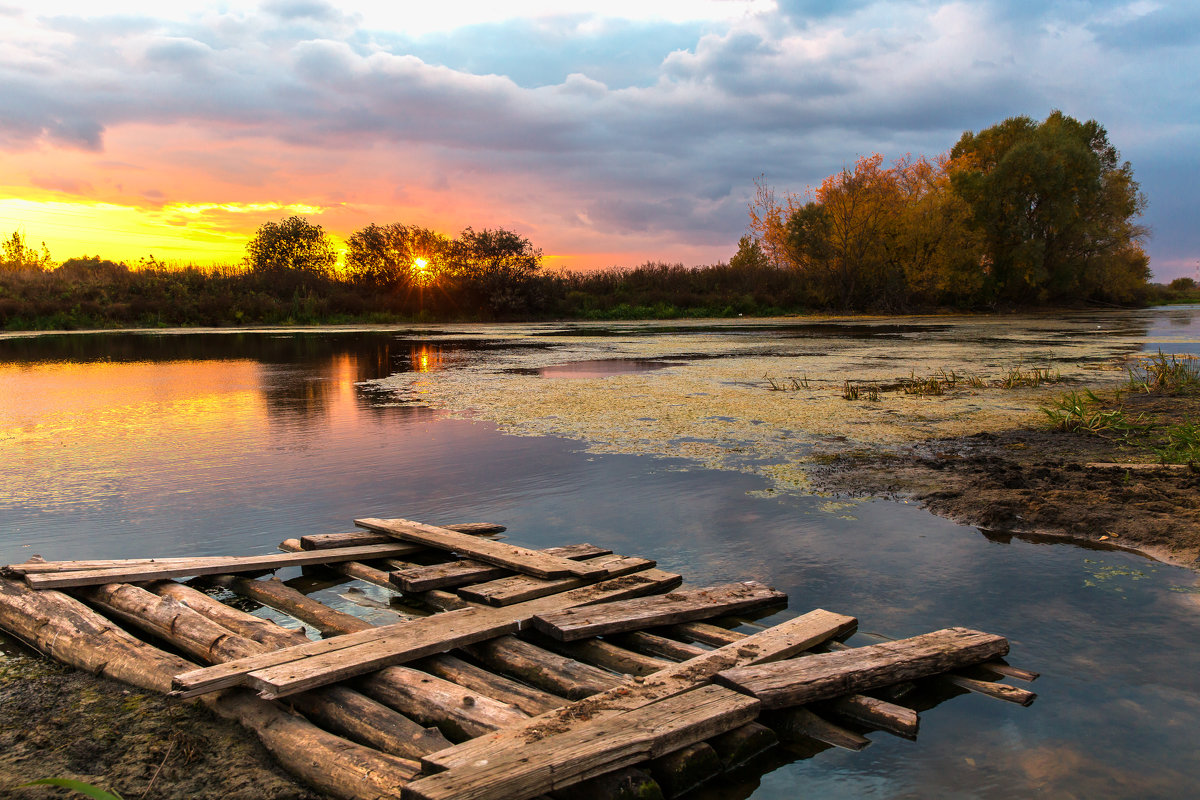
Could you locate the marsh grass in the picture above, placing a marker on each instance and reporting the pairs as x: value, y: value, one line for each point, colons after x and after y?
x: 854, y: 391
x: 1032, y: 377
x: 1166, y: 374
x: 1181, y: 444
x: 86, y: 789
x: 1085, y: 412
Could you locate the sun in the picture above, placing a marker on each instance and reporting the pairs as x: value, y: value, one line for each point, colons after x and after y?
x: 422, y: 275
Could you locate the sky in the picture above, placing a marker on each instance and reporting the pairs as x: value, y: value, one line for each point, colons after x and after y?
x: 608, y: 133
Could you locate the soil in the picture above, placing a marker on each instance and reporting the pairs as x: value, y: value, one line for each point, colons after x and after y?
x: 1103, y: 488
x: 57, y: 722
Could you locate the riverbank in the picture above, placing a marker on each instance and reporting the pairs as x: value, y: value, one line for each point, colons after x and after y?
x: 1107, y: 490
x: 57, y: 722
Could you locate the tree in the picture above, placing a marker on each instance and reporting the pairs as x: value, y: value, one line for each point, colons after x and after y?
x: 1055, y: 207
x: 396, y: 255
x: 294, y: 245
x: 19, y: 257
x: 749, y: 255
x: 496, y: 268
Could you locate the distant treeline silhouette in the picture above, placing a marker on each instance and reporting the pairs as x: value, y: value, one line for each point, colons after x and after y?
x: 1022, y: 214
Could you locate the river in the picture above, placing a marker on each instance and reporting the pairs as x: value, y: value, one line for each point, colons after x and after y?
x: 665, y: 440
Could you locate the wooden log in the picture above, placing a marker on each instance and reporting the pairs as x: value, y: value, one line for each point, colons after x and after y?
x: 608, y: 656
x: 545, y: 670
x: 68, y: 631
x: 256, y: 629
x: 656, y: 645
x: 1000, y: 691
x: 704, y: 633
x: 344, y: 711
x: 785, y: 639
x: 278, y: 595
x: 459, y: 713
x: 742, y: 744
x: 526, y: 698
x: 185, y: 567
x: 680, y: 606
x: 825, y: 675
x: 420, y: 578
x: 518, y: 559
x: 1008, y: 671
x: 685, y: 769
x: 324, y: 541
x: 623, y: 784
x: 798, y: 723
x: 875, y: 713
x: 592, y: 748
x: 519, y: 588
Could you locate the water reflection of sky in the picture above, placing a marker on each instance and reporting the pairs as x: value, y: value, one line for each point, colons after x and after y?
x: 237, y: 442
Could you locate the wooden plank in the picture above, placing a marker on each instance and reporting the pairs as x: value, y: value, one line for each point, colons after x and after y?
x: 324, y: 541
x: 592, y: 748
x: 781, y: 641
x: 233, y: 673
x: 412, y: 640
x: 825, y: 675
x: 680, y: 606
x: 316, y: 664
x: 464, y: 571
x: 518, y: 559
x: 138, y: 572
x: 519, y: 588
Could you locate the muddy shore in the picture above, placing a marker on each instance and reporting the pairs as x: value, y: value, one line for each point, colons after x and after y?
x: 58, y: 722
x: 1105, y: 489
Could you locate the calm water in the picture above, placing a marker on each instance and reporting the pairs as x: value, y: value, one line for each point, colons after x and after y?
x: 120, y: 445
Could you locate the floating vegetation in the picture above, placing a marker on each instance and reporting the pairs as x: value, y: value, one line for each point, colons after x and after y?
x: 1166, y: 374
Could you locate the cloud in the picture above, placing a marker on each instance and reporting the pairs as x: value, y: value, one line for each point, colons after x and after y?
x: 644, y: 128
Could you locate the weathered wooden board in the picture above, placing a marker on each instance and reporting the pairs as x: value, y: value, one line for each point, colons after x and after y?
x: 781, y: 641
x: 592, y: 748
x: 276, y: 676
x: 680, y: 606
x: 324, y: 541
x: 464, y: 571
x: 234, y: 673
x: 826, y: 675
x: 519, y: 588
x: 141, y: 570
x: 518, y: 559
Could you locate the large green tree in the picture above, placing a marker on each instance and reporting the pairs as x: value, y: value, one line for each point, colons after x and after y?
x: 1056, y: 209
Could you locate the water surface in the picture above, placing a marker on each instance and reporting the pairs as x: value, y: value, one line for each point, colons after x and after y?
x: 178, y: 443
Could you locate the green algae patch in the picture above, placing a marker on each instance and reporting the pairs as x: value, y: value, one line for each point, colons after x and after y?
x: 768, y: 397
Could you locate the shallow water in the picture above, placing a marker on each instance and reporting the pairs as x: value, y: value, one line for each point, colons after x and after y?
x: 183, y: 443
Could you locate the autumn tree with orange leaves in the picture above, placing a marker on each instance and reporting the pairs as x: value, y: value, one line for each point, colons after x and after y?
x: 1021, y: 213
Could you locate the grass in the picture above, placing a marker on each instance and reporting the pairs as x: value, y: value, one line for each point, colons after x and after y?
x: 1180, y: 444
x: 1033, y: 378
x: 854, y: 391
x: 87, y: 789
x: 1166, y: 374
x: 1085, y: 412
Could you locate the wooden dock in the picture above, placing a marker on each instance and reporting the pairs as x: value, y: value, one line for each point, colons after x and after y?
x: 513, y: 673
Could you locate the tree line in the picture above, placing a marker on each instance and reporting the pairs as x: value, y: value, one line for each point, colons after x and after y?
x: 1022, y: 213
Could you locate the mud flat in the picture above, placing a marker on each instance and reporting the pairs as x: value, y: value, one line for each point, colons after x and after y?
x: 1038, y: 482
